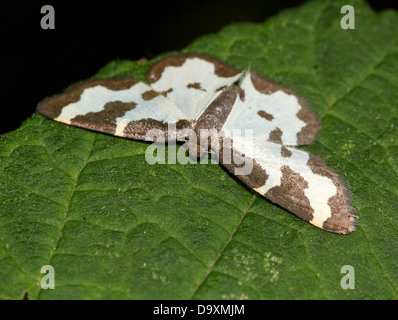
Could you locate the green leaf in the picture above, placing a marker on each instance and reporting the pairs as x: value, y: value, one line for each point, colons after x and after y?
x: 113, y: 226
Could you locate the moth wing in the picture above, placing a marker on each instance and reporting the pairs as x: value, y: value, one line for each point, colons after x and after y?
x: 191, y: 81
x: 296, y: 180
x: 274, y: 113
x: 122, y: 107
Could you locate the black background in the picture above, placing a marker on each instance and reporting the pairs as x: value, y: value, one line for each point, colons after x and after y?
x: 35, y: 63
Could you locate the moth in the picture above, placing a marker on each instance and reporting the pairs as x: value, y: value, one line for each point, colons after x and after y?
x: 195, y: 92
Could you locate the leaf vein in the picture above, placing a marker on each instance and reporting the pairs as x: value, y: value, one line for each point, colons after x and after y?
x: 217, y: 258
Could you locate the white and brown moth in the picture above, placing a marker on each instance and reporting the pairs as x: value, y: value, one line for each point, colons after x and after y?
x: 198, y: 92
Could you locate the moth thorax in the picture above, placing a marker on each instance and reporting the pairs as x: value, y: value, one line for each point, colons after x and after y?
x: 217, y: 112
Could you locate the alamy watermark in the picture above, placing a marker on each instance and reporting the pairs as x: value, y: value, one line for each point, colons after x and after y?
x: 48, y: 19
x: 197, y: 145
x: 48, y: 280
x: 348, y: 20
x: 348, y: 280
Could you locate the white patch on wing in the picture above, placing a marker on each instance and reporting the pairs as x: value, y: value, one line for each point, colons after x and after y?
x: 282, y: 106
x: 268, y: 155
x: 159, y: 108
x: 190, y: 101
x: 94, y: 99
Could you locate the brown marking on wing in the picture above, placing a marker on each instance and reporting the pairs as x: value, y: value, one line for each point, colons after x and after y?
x: 256, y: 179
x: 195, y: 85
x: 183, y: 124
x: 285, y: 152
x: 105, y: 120
x: 221, y: 69
x: 307, y: 134
x: 343, y: 219
x: 221, y: 88
x: 290, y: 194
x: 51, y: 107
x: 242, y: 94
x: 265, y: 115
x: 276, y: 136
x: 138, y: 129
x: 150, y: 94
